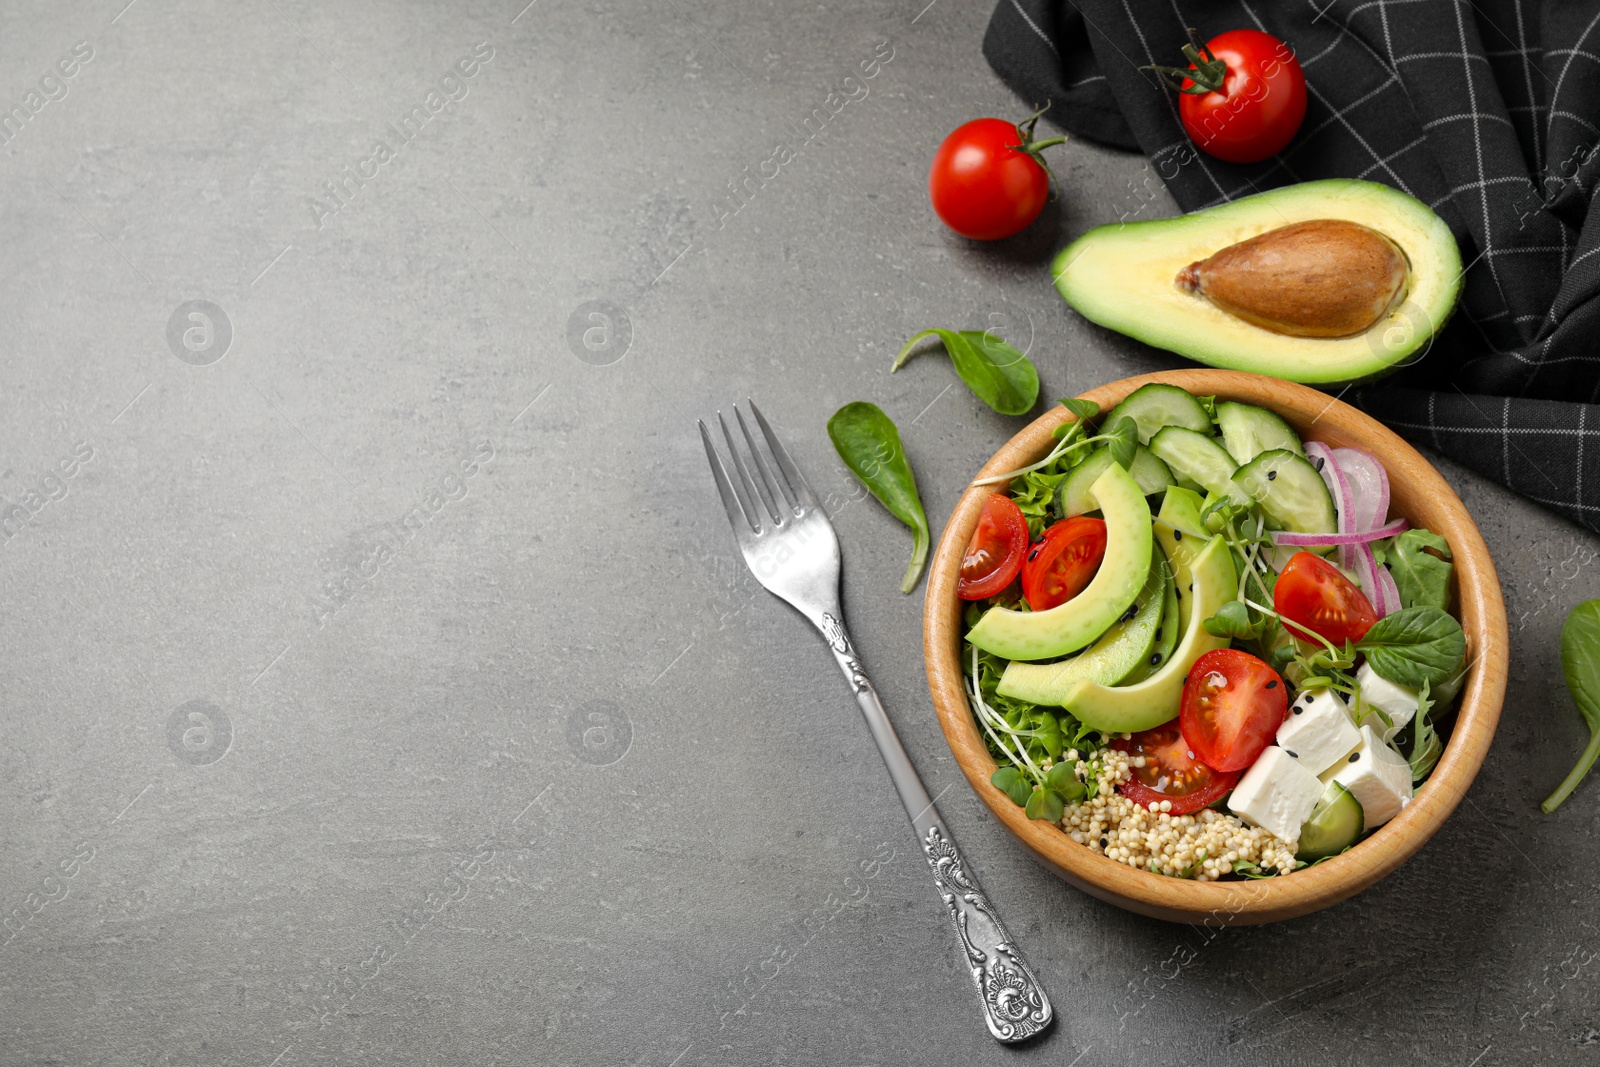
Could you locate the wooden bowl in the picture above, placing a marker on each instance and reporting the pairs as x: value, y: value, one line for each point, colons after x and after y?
x: 1419, y: 493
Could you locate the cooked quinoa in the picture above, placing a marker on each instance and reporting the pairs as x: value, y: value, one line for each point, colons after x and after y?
x: 1204, y: 845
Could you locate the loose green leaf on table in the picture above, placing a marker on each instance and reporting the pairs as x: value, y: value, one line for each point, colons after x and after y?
x: 1414, y: 647
x: 995, y: 371
x: 869, y: 444
x: 1422, y: 577
x: 1580, y: 662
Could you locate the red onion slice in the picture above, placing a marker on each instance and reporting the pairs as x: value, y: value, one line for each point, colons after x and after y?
x: 1339, y: 488
x: 1290, y: 537
x: 1391, y: 591
x: 1369, y: 487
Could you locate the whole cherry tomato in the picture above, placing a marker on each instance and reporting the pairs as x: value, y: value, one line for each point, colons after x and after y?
x: 988, y: 180
x: 1243, y: 95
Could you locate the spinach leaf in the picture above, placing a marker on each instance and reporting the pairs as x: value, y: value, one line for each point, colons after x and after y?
x: 1580, y: 662
x: 869, y: 444
x: 1423, y: 578
x: 997, y: 373
x: 1426, y: 748
x: 1414, y: 647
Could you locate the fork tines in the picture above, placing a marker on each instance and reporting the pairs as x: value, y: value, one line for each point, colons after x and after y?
x: 781, y: 488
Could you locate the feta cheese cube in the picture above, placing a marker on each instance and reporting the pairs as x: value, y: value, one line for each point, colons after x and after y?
x: 1395, y: 701
x: 1277, y: 794
x: 1318, y: 731
x: 1376, y: 776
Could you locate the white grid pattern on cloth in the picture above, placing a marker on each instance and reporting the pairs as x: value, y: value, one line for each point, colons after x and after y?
x: 1462, y: 109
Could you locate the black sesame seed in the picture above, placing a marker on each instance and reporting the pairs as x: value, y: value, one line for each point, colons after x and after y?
x: 1033, y: 555
x: 1292, y: 753
x: 1298, y: 709
x: 1104, y: 841
x: 1272, y: 684
x: 1319, y: 463
x: 1354, y: 756
x: 1155, y: 659
x: 1177, y: 535
x: 1272, y: 475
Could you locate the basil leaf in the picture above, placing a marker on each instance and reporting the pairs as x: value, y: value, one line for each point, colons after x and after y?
x: 1082, y: 410
x: 1423, y: 578
x: 1010, y: 781
x: 1124, y: 439
x: 1414, y: 647
x: 1426, y: 748
x: 997, y: 373
x: 1045, y: 804
x: 1580, y: 662
x: 869, y: 444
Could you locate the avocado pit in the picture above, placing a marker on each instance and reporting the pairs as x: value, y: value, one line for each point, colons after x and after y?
x: 1323, y: 278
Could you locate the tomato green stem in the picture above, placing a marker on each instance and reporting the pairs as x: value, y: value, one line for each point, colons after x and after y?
x: 1205, y: 74
x: 1032, y: 148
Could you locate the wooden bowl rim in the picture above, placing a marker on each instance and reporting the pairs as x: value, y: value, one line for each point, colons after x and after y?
x: 1420, y: 493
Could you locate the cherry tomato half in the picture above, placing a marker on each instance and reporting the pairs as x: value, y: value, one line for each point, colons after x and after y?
x: 1171, y: 772
x: 1233, y: 704
x: 995, y: 553
x: 986, y: 181
x: 1062, y: 562
x: 1248, y: 108
x: 1312, y: 592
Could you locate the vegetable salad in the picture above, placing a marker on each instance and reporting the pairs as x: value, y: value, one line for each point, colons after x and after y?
x: 1201, y: 645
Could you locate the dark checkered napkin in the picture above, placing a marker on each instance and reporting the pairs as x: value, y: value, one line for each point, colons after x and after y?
x: 1488, y: 111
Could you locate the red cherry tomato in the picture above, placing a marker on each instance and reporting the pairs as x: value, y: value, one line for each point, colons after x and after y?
x: 995, y: 553
x: 1171, y: 772
x: 1246, y: 97
x: 987, y: 181
x: 1312, y: 592
x: 1233, y: 704
x: 1062, y: 562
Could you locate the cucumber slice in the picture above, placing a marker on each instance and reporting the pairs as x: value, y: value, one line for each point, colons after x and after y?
x: 1334, y: 825
x: 1158, y: 404
x: 1167, y: 639
x: 1196, y: 457
x: 1073, y: 496
x: 1289, y: 490
x: 1248, y: 431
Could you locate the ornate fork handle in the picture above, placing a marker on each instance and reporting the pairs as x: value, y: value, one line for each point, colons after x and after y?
x: 1014, y: 1003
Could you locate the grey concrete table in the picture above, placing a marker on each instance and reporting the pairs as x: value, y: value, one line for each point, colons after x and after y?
x: 380, y: 684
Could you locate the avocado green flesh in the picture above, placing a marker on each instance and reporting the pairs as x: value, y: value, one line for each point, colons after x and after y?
x: 1122, y: 277
x: 1035, y: 635
x: 1334, y: 824
x: 1120, y: 650
x: 1166, y: 640
x: 1209, y: 581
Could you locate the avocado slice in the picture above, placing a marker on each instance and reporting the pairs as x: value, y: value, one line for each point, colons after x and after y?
x: 1118, y: 653
x: 1033, y: 635
x: 1122, y: 277
x: 1209, y: 583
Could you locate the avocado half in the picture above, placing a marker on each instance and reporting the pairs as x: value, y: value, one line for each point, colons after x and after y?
x: 1123, y: 276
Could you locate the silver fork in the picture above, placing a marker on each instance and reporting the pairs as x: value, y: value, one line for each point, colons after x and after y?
x: 791, y: 548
